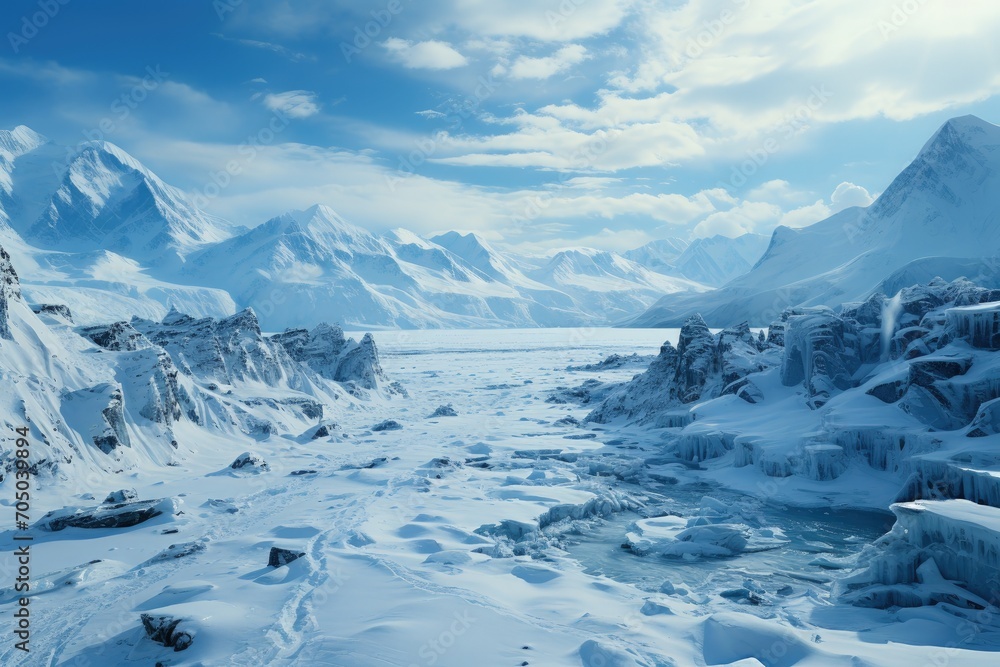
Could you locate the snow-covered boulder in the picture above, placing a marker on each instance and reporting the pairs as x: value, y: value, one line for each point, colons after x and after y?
x: 121, y: 496
x: 167, y: 630
x: 117, y: 515
x: 249, y: 462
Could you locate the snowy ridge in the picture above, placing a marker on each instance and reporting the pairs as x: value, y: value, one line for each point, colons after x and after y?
x: 943, y: 205
x: 139, y: 392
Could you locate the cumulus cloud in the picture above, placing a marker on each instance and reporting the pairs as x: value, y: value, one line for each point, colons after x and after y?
x: 431, y: 54
x: 293, y: 103
x: 849, y: 194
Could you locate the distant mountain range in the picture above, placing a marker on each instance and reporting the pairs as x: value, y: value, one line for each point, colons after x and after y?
x: 93, y: 227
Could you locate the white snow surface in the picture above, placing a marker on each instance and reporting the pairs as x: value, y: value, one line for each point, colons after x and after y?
x: 450, y: 541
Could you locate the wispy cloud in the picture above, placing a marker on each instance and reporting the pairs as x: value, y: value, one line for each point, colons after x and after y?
x: 293, y: 103
x: 548, y: 66
x: 285, y: 52
x: 431, y: 54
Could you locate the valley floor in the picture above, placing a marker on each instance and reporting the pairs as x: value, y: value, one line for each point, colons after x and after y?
x: 423, y: 545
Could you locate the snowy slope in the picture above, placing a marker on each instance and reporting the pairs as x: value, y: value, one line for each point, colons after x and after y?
x: 944, y: 204
x: 130, y: 394
x: 311, y: 261
x: 658, y: 255
x: 716, y: 260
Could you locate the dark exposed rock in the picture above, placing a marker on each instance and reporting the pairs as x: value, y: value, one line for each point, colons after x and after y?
x: 387, y: 425
x: 117, y: 337
x: 701, y: 366
x: 614, y: 361
x: 10, y: 290
x: 166, y: 630
x: 585, y: 393
x: 118, y: 515
x: 925, y: 372
x: 821, y: 353
x: 228, y: 350
x: 323, y: 431
x: 54, y: 309
x: 987, y: 420
x: 889, y: 392
x: 279, y: 557
x: 327, y: 351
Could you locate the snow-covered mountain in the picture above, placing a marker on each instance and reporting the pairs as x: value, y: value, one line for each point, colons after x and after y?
x: 718, y: 259
x: 712, y: 261
x: 97, y: 197
x: 943, y: 205
x: 607, y: 281
x: 310, y: 261
x: 658, y: 255
x: 93, y: 220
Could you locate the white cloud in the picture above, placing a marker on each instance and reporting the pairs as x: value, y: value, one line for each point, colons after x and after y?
x: 431, y: 54
x: 293, y: 103
x: 806, y: 215
x: 742, y: 219
x: 849, y: 194
x: 548, y: 66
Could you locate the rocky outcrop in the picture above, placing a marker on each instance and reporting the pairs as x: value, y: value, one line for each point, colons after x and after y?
x: 330, y: 354
x: 279, y: 557
x: 121, y: 496
x: 822, y: 353
x: 53, y: 309
x: 701, y: 366
x: 249, y: 461
x: 117, y: 337
x: 230, y: 350
x: 10, y: 289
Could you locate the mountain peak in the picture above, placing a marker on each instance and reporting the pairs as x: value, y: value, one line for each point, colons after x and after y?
x: 962, y: 134
x: 22, y: 139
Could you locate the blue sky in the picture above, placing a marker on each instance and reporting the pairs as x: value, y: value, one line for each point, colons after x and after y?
x: 536, y: 124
